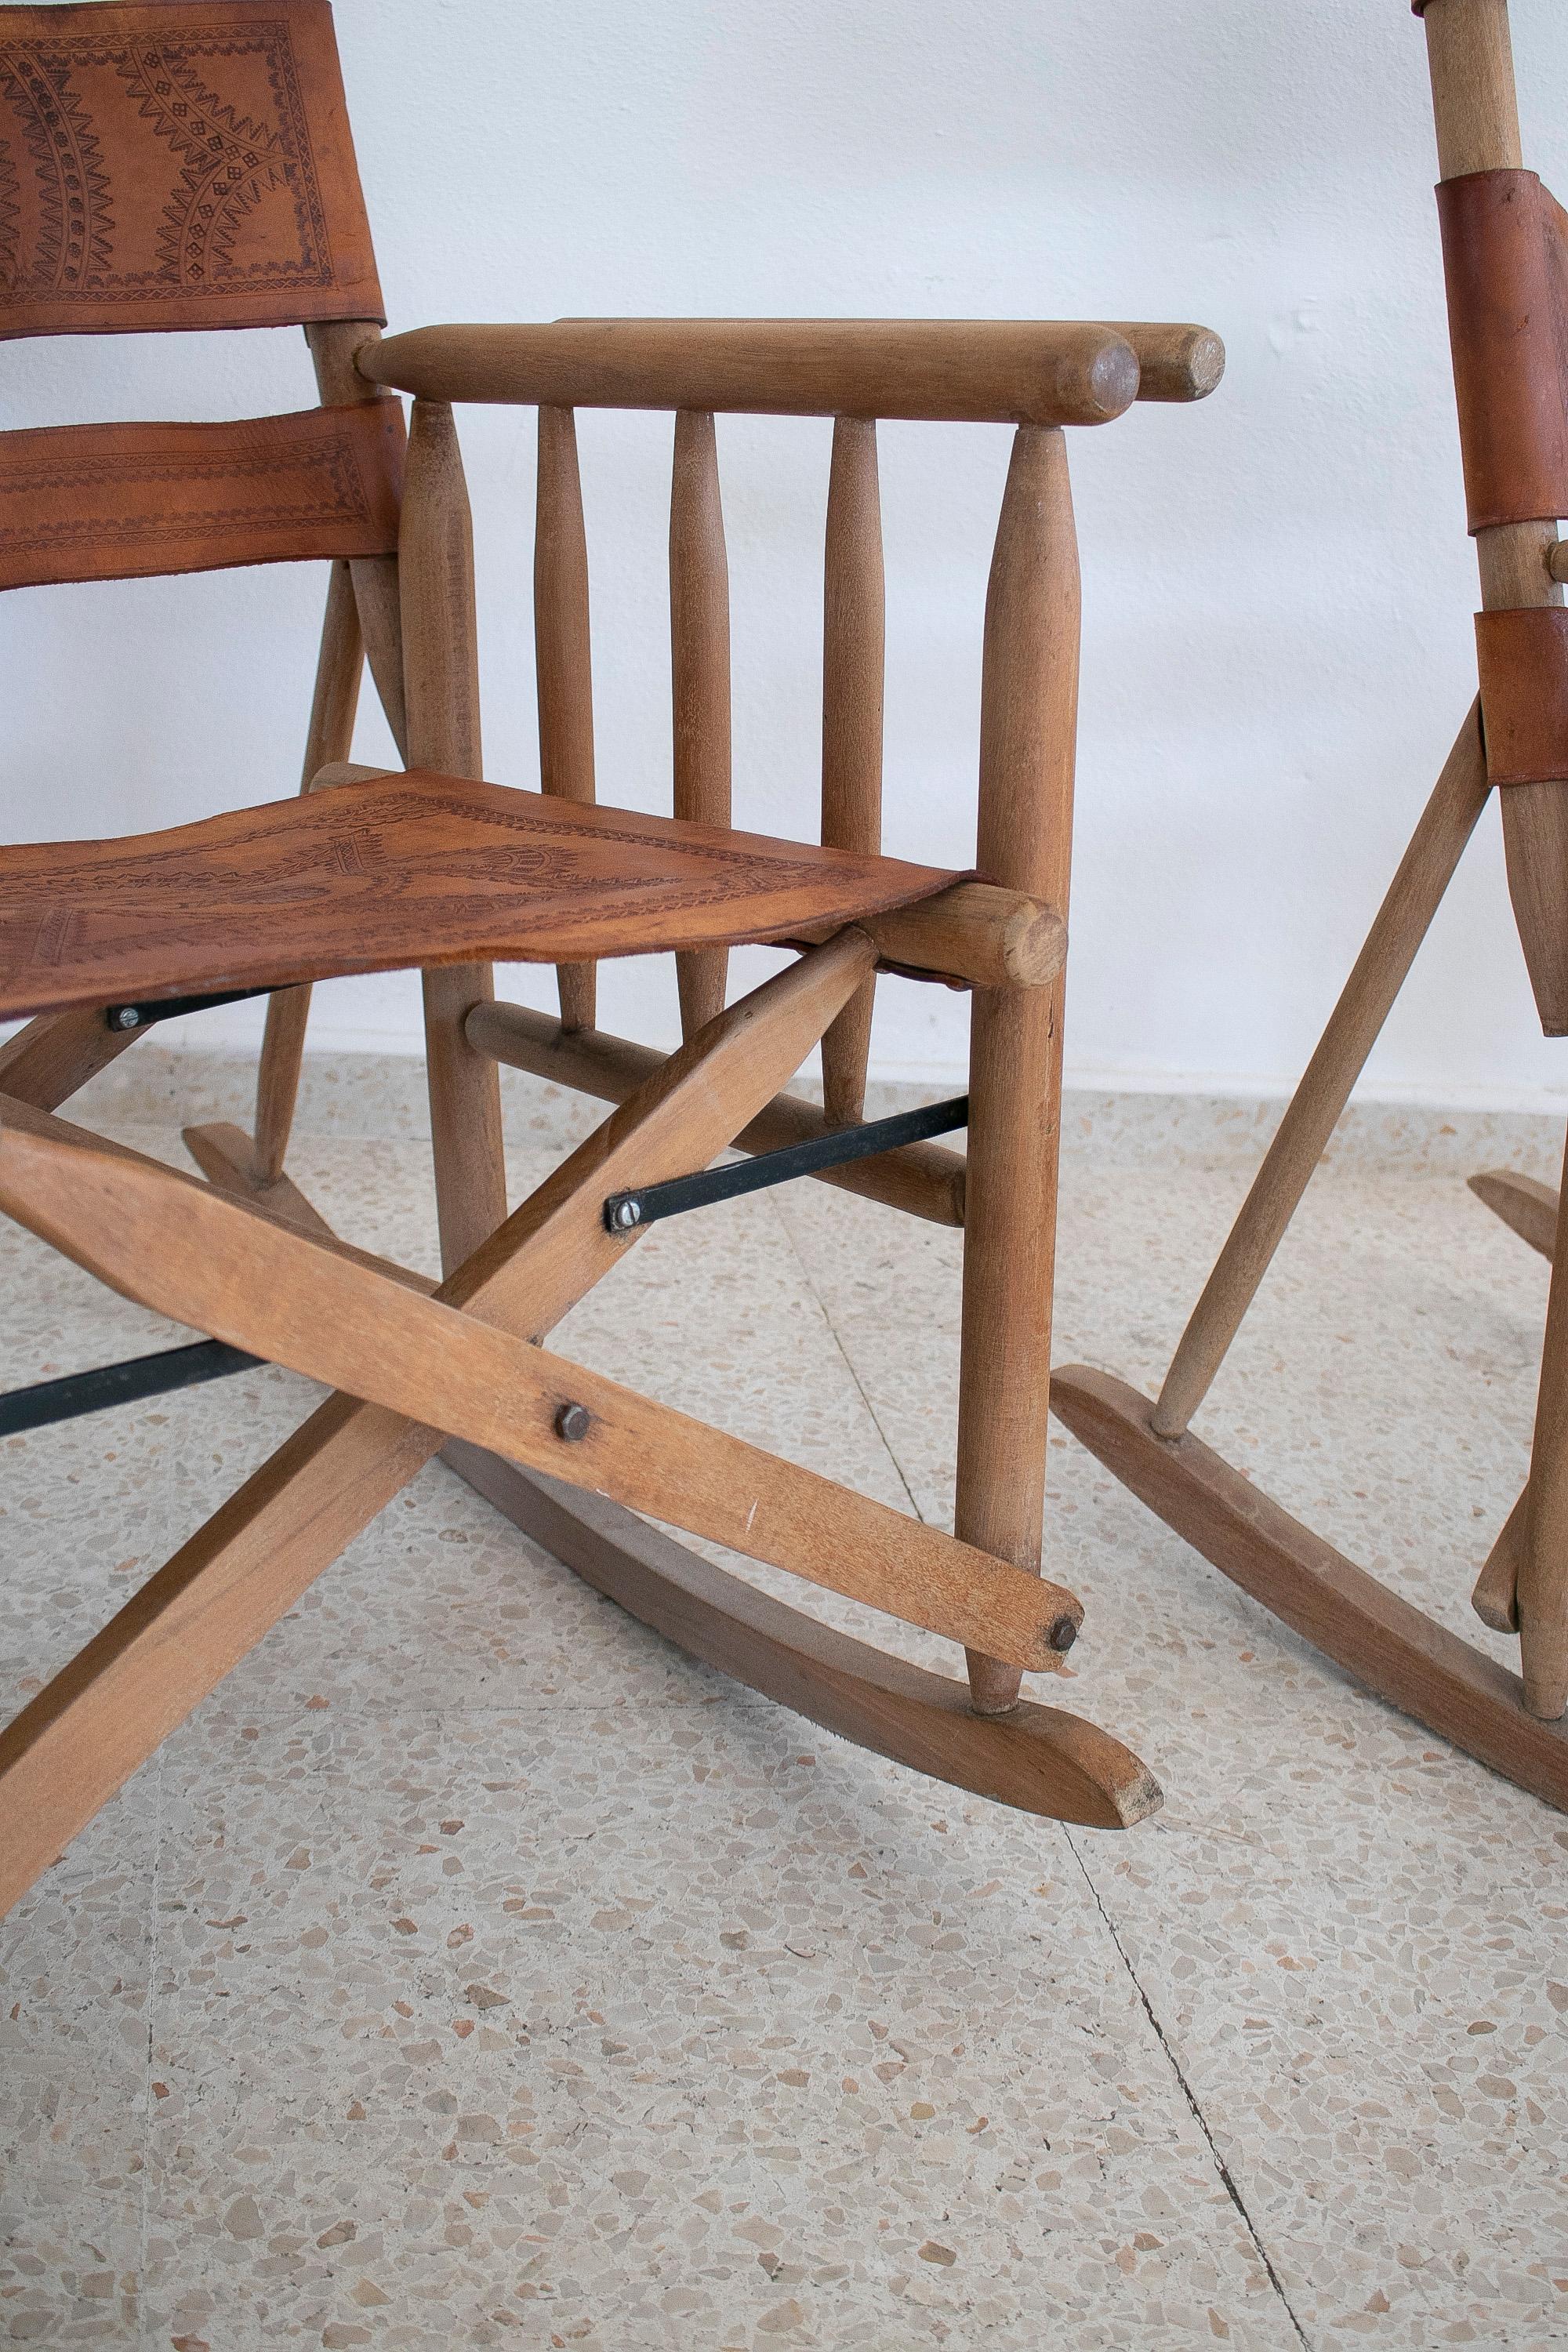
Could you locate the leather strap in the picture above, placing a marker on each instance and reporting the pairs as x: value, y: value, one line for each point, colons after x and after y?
x: 122, y: 501
x: 1505, y: 260
x: 1523, y: 659
x: 177, y: 163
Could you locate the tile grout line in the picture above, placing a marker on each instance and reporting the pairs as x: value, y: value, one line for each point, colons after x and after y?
x: 846, y: 1360
x: 1226, y: 2177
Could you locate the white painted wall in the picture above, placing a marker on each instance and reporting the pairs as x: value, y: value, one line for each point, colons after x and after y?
x: 1278, y: 587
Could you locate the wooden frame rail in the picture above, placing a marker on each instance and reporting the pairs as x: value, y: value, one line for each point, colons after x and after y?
x: 967, y: 371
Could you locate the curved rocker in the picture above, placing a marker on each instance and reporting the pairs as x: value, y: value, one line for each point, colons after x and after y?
x: 1037, y: 1758
x: 1387, y: 1644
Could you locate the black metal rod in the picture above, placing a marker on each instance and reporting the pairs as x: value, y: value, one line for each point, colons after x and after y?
x: 627, y: 1213
x: 126, y: 1383
x: 169, y: 1008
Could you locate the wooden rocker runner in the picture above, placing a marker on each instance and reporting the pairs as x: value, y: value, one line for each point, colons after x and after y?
x: 1505, y: 256
x: 436, y: 869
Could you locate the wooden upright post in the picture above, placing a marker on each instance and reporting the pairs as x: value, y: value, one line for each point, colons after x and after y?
x: 441, y: 676
x: 1029, y: 718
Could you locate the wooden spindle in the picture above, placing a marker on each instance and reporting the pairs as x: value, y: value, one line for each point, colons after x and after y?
x: 1028, y: 714
x: 441, y: 678
x: 562, y: 654
x: 333, y: 344
x: 329, y: 737
x: 699, y: 668
x: 852, y: 677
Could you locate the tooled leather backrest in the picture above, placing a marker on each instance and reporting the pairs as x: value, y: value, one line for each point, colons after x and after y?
x: 177, y: 163
x: 184, y: 163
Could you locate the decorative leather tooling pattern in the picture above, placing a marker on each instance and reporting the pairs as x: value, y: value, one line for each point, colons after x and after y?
x: 404, y: 870
x: 177, y: 164
x: 121, y: 501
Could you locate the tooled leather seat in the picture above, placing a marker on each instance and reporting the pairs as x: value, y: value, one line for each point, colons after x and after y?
x: 388, y: 872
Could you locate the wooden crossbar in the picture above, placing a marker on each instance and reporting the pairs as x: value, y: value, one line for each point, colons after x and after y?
x: 74, y: 1744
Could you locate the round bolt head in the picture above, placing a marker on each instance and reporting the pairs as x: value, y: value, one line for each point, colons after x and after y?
x: 1063, y: 1634
x: 127, y: 1017
x: 627, y: 1214
x: 572, y: 1423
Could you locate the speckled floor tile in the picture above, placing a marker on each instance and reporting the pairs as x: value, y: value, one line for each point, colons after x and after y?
x: 473, y: 1969
x: 667, y: 2029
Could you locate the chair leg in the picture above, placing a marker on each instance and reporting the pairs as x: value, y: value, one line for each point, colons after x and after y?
x: 71, y: 1746
x: 1542, y: 1584
x: 441, y: 677
x: 1009, y: 1249
x: 1315, y: 1109
x: 53, y: 1057
x: 1029, y: 716
x: 330, y: 737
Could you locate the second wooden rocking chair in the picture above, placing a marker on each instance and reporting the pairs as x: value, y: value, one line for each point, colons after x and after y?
x: 437, y: 869
x: 1505, y: 253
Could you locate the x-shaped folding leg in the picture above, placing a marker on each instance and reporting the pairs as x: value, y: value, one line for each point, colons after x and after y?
x: 411, y: 1367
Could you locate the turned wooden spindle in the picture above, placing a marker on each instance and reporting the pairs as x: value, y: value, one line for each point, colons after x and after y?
x: 329, y: 737
x: 441, y: 681
x: 361, y: 619
x: 699, y: 671
x: 1028, y: 714
x: 562, y: 654
x: 852, y: 678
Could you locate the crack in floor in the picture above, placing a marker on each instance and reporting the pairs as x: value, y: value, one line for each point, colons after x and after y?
x: 1220, y: 2166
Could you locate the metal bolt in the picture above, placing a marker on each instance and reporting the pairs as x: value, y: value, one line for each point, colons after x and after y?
x: 625, y: 1215
x: 125, y: 1016
x: 1063, y: 1634
x: 572, y: 1423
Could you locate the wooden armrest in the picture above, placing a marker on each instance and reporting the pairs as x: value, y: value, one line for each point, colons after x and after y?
x: 1033, y: 371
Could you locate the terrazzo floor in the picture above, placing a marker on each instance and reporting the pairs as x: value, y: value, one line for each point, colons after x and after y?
x: 473, y: 1969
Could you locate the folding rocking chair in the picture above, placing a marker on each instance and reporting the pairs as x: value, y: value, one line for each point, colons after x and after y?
x: 437, y: 870
x: 1505, y: 257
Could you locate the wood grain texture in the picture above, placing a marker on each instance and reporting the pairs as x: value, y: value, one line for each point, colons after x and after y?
x: 200, y: 1256
x: 329, y: 737
x: 1037, y: 1758
x: 129, y: 501
x: 1174, y: 361
x: 1029, y: 716
x: 853, y: 672
x: 1541, y: 1577
x: 700, y: 675
x: 1315, y: 1109
x: 564, y: 653
x: 89, y: 1728
x: 979, y: 370
x: 55, y: 1055
x: 441, y: 689
x: 174, y: 166
x: 226, y: 1157
x: 1386, y: 1643
x: 1526, y: 1206
x: 924, y: 1179
x: 972, y: 935
x: 1494, y: 1599
x: 333, y: 344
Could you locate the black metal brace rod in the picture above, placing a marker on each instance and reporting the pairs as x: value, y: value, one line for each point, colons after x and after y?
x: 125, y: 1383
x: 627, y: 1213
x: 169, y: 1008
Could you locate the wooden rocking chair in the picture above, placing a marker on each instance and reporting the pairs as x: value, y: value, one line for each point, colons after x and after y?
x: 437, y: 870
x: 1505, y: 255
